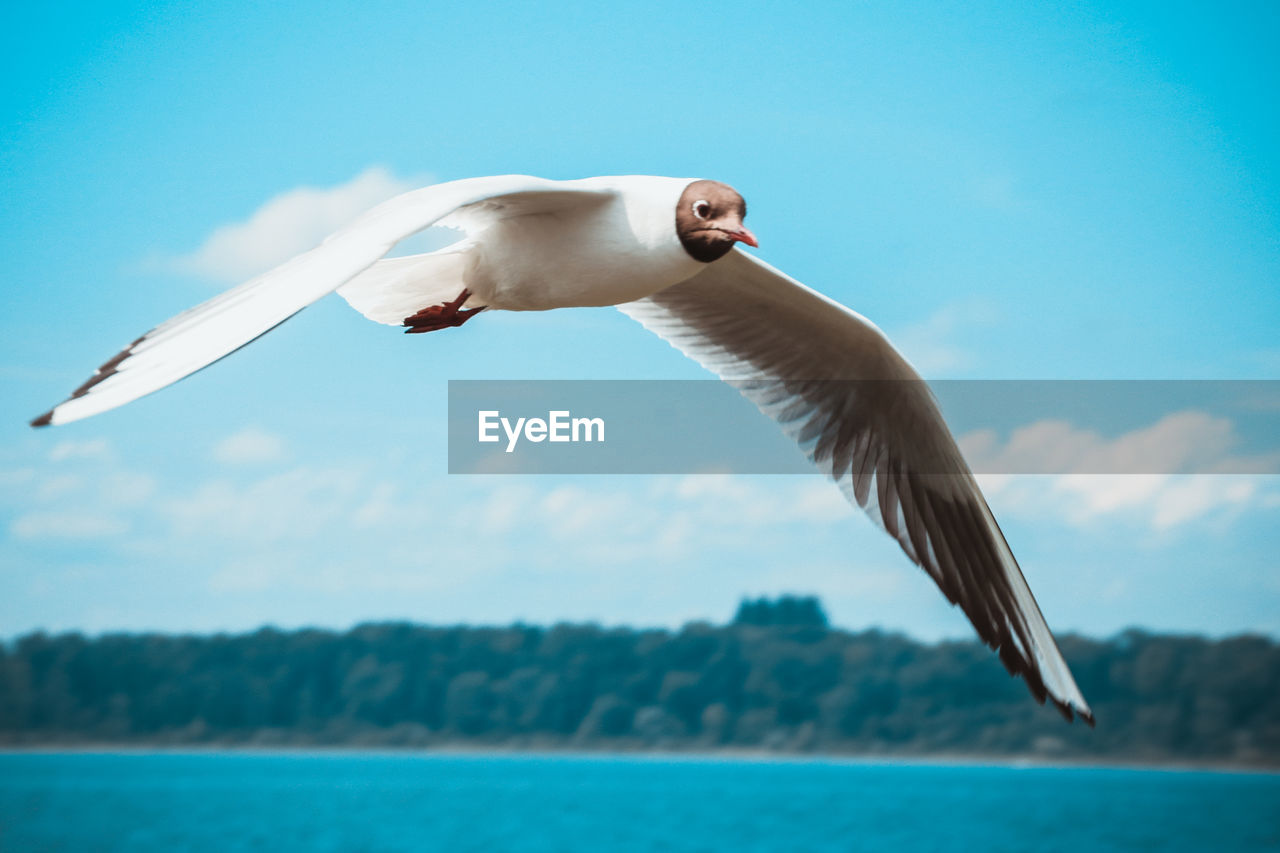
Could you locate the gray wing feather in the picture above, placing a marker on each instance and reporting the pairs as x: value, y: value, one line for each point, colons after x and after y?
x: 864, y: 417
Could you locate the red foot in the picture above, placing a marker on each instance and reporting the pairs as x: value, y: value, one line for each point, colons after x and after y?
x: 441, y: 316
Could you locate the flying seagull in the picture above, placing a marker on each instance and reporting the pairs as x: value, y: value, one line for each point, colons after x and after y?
x: 664, y: 250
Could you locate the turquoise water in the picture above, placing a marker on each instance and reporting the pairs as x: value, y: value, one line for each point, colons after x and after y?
x: 391, y: 802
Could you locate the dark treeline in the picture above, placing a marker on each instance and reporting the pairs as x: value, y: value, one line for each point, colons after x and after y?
x: 778, y: 678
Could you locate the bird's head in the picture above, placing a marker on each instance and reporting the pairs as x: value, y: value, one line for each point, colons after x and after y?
x: 709, y: 220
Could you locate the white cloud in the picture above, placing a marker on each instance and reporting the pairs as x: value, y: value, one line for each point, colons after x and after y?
x: 1163, y: 501
x: 93, y: 449
x: 55, y: 486
x: 291, y: 222
x: 249, y: 446
x: 80, y: 493
x: 1188, y: 498
x: 367, y: 537
x: 1190, y: 442
x: 295, y: 505
x: 1081, y: 477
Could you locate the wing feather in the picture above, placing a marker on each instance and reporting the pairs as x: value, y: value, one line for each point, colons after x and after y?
x: 218, y: 327
x: 836, y: 385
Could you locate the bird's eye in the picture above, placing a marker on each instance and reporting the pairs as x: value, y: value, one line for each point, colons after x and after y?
x: 702, y: 209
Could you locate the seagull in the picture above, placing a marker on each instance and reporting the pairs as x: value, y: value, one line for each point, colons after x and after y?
x: 666, y: 251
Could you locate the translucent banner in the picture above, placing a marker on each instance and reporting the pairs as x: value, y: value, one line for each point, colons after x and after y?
x: 1003, y: 426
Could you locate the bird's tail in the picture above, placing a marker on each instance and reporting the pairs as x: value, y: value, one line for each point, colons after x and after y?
x: 396, y: 288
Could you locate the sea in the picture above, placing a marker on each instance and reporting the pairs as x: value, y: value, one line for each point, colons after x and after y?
x: 353, y: 801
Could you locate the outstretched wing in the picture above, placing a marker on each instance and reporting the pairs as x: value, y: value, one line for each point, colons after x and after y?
x: 200, y: 336
x: 866, y: 418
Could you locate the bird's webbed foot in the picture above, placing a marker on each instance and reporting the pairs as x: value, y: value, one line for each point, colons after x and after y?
x: 442, y: 316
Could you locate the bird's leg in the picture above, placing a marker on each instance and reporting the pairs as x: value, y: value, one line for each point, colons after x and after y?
x: 441, y: 316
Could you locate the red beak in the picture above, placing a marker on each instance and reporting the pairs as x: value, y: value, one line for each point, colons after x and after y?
x: 742, y: 235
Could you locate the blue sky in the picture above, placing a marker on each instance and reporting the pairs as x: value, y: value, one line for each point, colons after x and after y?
x: 1010, y: 190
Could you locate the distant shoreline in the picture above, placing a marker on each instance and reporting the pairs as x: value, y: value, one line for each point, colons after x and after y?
x: 746, y: 756
x: 741, y: 691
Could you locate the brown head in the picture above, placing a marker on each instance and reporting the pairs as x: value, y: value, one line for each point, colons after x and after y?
x: 709, y: 220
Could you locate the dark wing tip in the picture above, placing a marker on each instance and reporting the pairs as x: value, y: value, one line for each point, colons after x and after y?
x: 1070, y: 712
x: 108, y: 369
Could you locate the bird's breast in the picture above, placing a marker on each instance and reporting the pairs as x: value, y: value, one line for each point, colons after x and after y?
x: 597, y: 255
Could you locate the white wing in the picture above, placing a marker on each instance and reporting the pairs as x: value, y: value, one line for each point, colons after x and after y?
x: 200, y: 336
x: 835, y: 384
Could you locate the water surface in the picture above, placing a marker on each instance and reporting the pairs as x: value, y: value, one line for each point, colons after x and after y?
x: 398, y: 802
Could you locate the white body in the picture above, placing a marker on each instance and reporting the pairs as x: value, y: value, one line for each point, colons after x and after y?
x: 591, y: 242
x: 618, y: 250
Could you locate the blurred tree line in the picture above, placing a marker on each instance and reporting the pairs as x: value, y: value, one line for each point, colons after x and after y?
x: 777, y: 678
